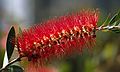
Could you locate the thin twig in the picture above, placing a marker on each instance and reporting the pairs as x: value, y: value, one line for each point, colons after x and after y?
x: 107, y: 27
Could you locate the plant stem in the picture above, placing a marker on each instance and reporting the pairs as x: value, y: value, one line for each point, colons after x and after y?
x: 108, y: 27
x: 13, y: 61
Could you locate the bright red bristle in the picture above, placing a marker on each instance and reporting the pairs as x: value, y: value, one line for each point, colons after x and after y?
x: 59, y: 36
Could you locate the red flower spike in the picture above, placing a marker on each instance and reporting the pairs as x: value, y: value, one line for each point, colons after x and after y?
x: 59, y: 36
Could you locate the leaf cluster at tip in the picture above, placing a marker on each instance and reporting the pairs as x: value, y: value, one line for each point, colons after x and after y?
x: 115, y: 19
x: 113, y: 23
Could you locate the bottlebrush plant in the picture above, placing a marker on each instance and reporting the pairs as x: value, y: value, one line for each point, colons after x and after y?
x: 58, y: 37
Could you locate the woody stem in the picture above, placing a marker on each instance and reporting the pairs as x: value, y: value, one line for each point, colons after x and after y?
x: 107, y: 27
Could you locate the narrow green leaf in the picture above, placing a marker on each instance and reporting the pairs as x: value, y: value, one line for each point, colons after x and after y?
x: 10, y: 42
x: 115, y: 30
x: 117, y: 22
x: 15, y: 68
x: 106, y: 20
x: 115, y: 18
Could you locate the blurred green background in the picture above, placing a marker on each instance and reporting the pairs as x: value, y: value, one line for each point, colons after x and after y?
x: 105, y: 56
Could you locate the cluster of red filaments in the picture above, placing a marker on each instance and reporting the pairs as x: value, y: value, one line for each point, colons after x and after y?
x: 59, y: 36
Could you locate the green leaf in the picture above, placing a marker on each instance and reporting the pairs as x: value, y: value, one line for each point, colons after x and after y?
x: 116, y: 30
x: 10, y: 42
x: 106, y: 21
x: 117, y: 22
x: 115, y: 18
x: 14, y: 68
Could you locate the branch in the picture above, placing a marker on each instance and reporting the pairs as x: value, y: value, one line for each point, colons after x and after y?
x: 108, y: 27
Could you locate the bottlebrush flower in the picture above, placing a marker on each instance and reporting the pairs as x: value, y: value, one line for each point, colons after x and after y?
x: 59, y: 36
